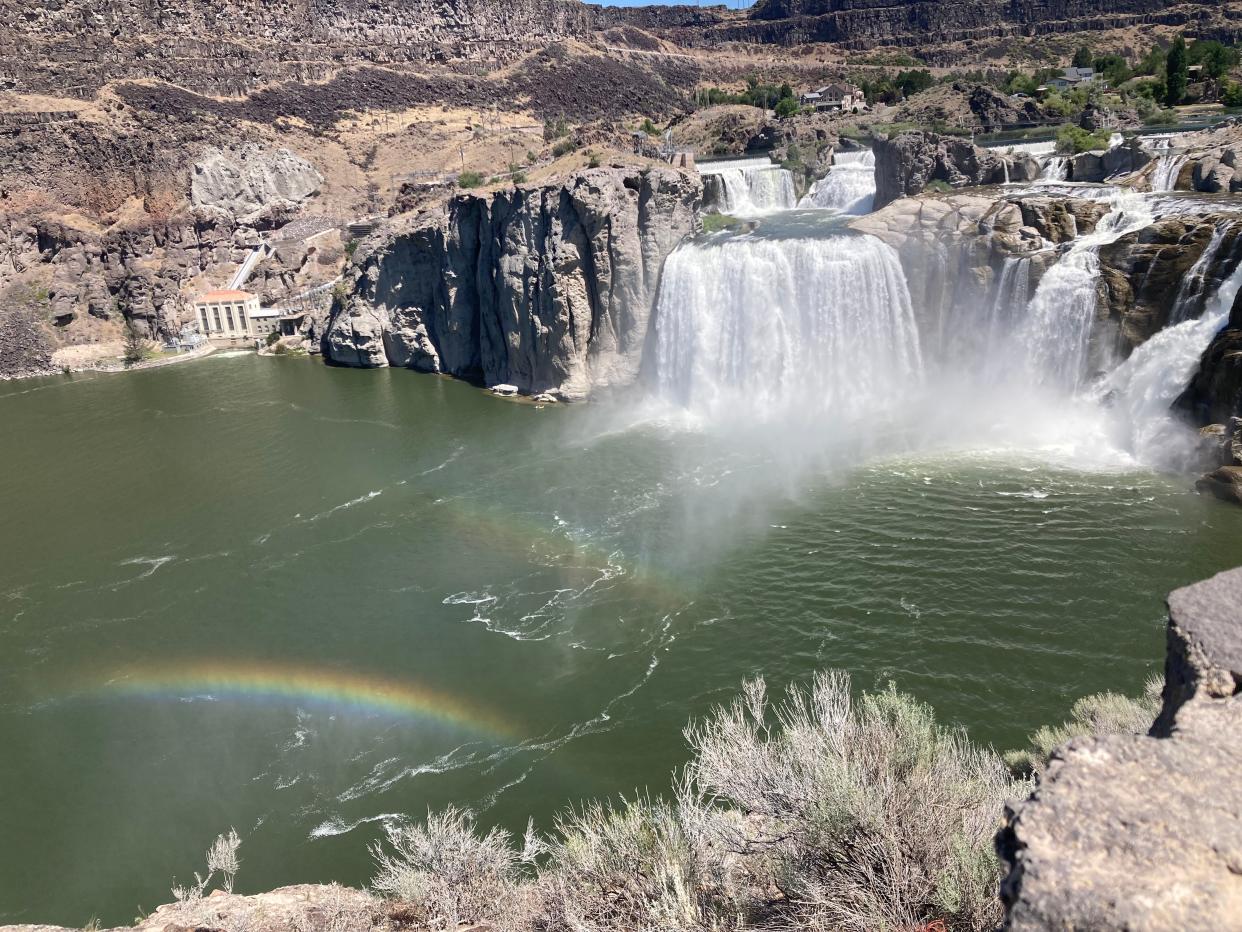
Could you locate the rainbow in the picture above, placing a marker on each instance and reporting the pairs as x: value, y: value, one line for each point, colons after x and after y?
x: 324, y: 687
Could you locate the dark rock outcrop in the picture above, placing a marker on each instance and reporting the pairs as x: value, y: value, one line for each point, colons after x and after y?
x: 1099, y: 165
x: 1215, y: 393
x: 547, y: 289
x: 1142, y: 274
x: 1145, y: 831
x: 905, y: 165
x: 862, y: 24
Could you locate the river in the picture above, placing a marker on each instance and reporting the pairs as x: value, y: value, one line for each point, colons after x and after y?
x: 301, y: 601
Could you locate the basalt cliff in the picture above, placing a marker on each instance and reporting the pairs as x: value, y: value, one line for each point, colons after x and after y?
x: 548, y: 289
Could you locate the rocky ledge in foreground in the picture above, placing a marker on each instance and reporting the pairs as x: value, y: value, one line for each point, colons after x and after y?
x: 1145, y: 832
x: 549, y: 289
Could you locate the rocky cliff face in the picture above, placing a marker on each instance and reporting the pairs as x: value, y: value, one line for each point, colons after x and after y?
x: 860, y: 24
x: 906, y: 165
x: 1144, y: 832
x: 251, y: 182
x: 547, y: 289
x: 230, y: 46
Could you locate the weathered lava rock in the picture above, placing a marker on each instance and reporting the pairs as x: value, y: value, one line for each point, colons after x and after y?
x: 549, y: 289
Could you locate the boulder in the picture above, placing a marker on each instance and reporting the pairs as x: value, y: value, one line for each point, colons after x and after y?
x: 1144, y: 832
x: 1225, y: 482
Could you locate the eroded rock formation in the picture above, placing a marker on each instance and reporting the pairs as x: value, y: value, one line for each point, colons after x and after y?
x: 1145, y: 831
x: 907, y: 164
x: 548, y: 289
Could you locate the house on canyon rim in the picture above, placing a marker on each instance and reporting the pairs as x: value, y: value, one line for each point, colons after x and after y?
x: 835, y: 97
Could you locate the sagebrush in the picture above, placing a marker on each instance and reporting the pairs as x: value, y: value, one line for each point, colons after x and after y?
x: 815, y: 812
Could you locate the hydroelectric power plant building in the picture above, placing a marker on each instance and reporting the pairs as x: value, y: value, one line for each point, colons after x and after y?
x: 229, y: 314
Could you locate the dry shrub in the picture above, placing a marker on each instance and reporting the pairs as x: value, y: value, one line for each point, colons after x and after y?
x: 869, y: 815
x: 639, y: 865
x: 820, y: 812
x: 1098, y: 714
x: 452, y: 874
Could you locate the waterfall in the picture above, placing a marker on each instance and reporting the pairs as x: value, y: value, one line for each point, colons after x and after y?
x: 1056, y: 168
x: 1192, y: 293
x: 849, y: 186
x: 774, y: 326
x: 1143, y: 388
x: 1168, y: 167
x: 1061, y: 314
x: 1036, y: 150
x: 1013, y: 292
x: 752, y: 187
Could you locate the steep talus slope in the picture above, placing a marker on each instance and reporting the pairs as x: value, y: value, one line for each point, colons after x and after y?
x: 547, y: 289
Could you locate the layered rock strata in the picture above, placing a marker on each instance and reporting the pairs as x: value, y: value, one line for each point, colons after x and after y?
x: 549, y: 289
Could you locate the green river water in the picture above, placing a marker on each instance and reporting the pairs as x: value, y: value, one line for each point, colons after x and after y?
x: 299, y: 601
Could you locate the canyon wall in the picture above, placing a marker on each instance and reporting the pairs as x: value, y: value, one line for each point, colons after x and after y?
x: 229, y: 46
x: 549, y: 289
x: 862, y: 24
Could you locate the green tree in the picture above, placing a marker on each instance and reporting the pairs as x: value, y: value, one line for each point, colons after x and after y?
x: 1216, y: 59
x: 786, y: 106
x: 786, y: 91
x: 1113, y: 67
x: 913, y: 81
x: 1152, y: 63
x: 135, y: 344
x: 1231, y: 94
x: 1082, y: 58
x: 1177, y: 68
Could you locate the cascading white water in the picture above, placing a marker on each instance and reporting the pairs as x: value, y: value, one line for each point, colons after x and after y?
x: 849, y: 186
x: 776, y: 326
x: 1191, y: 292
x: 1033, y: 149
x: 1056, y: 168
x: 815, y: 336
x: 1168, y: 168
x: 752, y: 187
x: 1143, y: 388
x: 1061, y: 313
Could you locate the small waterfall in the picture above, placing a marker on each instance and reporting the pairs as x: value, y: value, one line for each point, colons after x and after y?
x: 1061, y: 314
x: 1192, y: 293
x: 1056, y: 168
x: 849, y: 186
x: 1036, y: 150
x: 752, y: 187
x: 1013, y: 293
x: 786, y: 326
x: 1143, y: 388
x: 1168, y: 168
